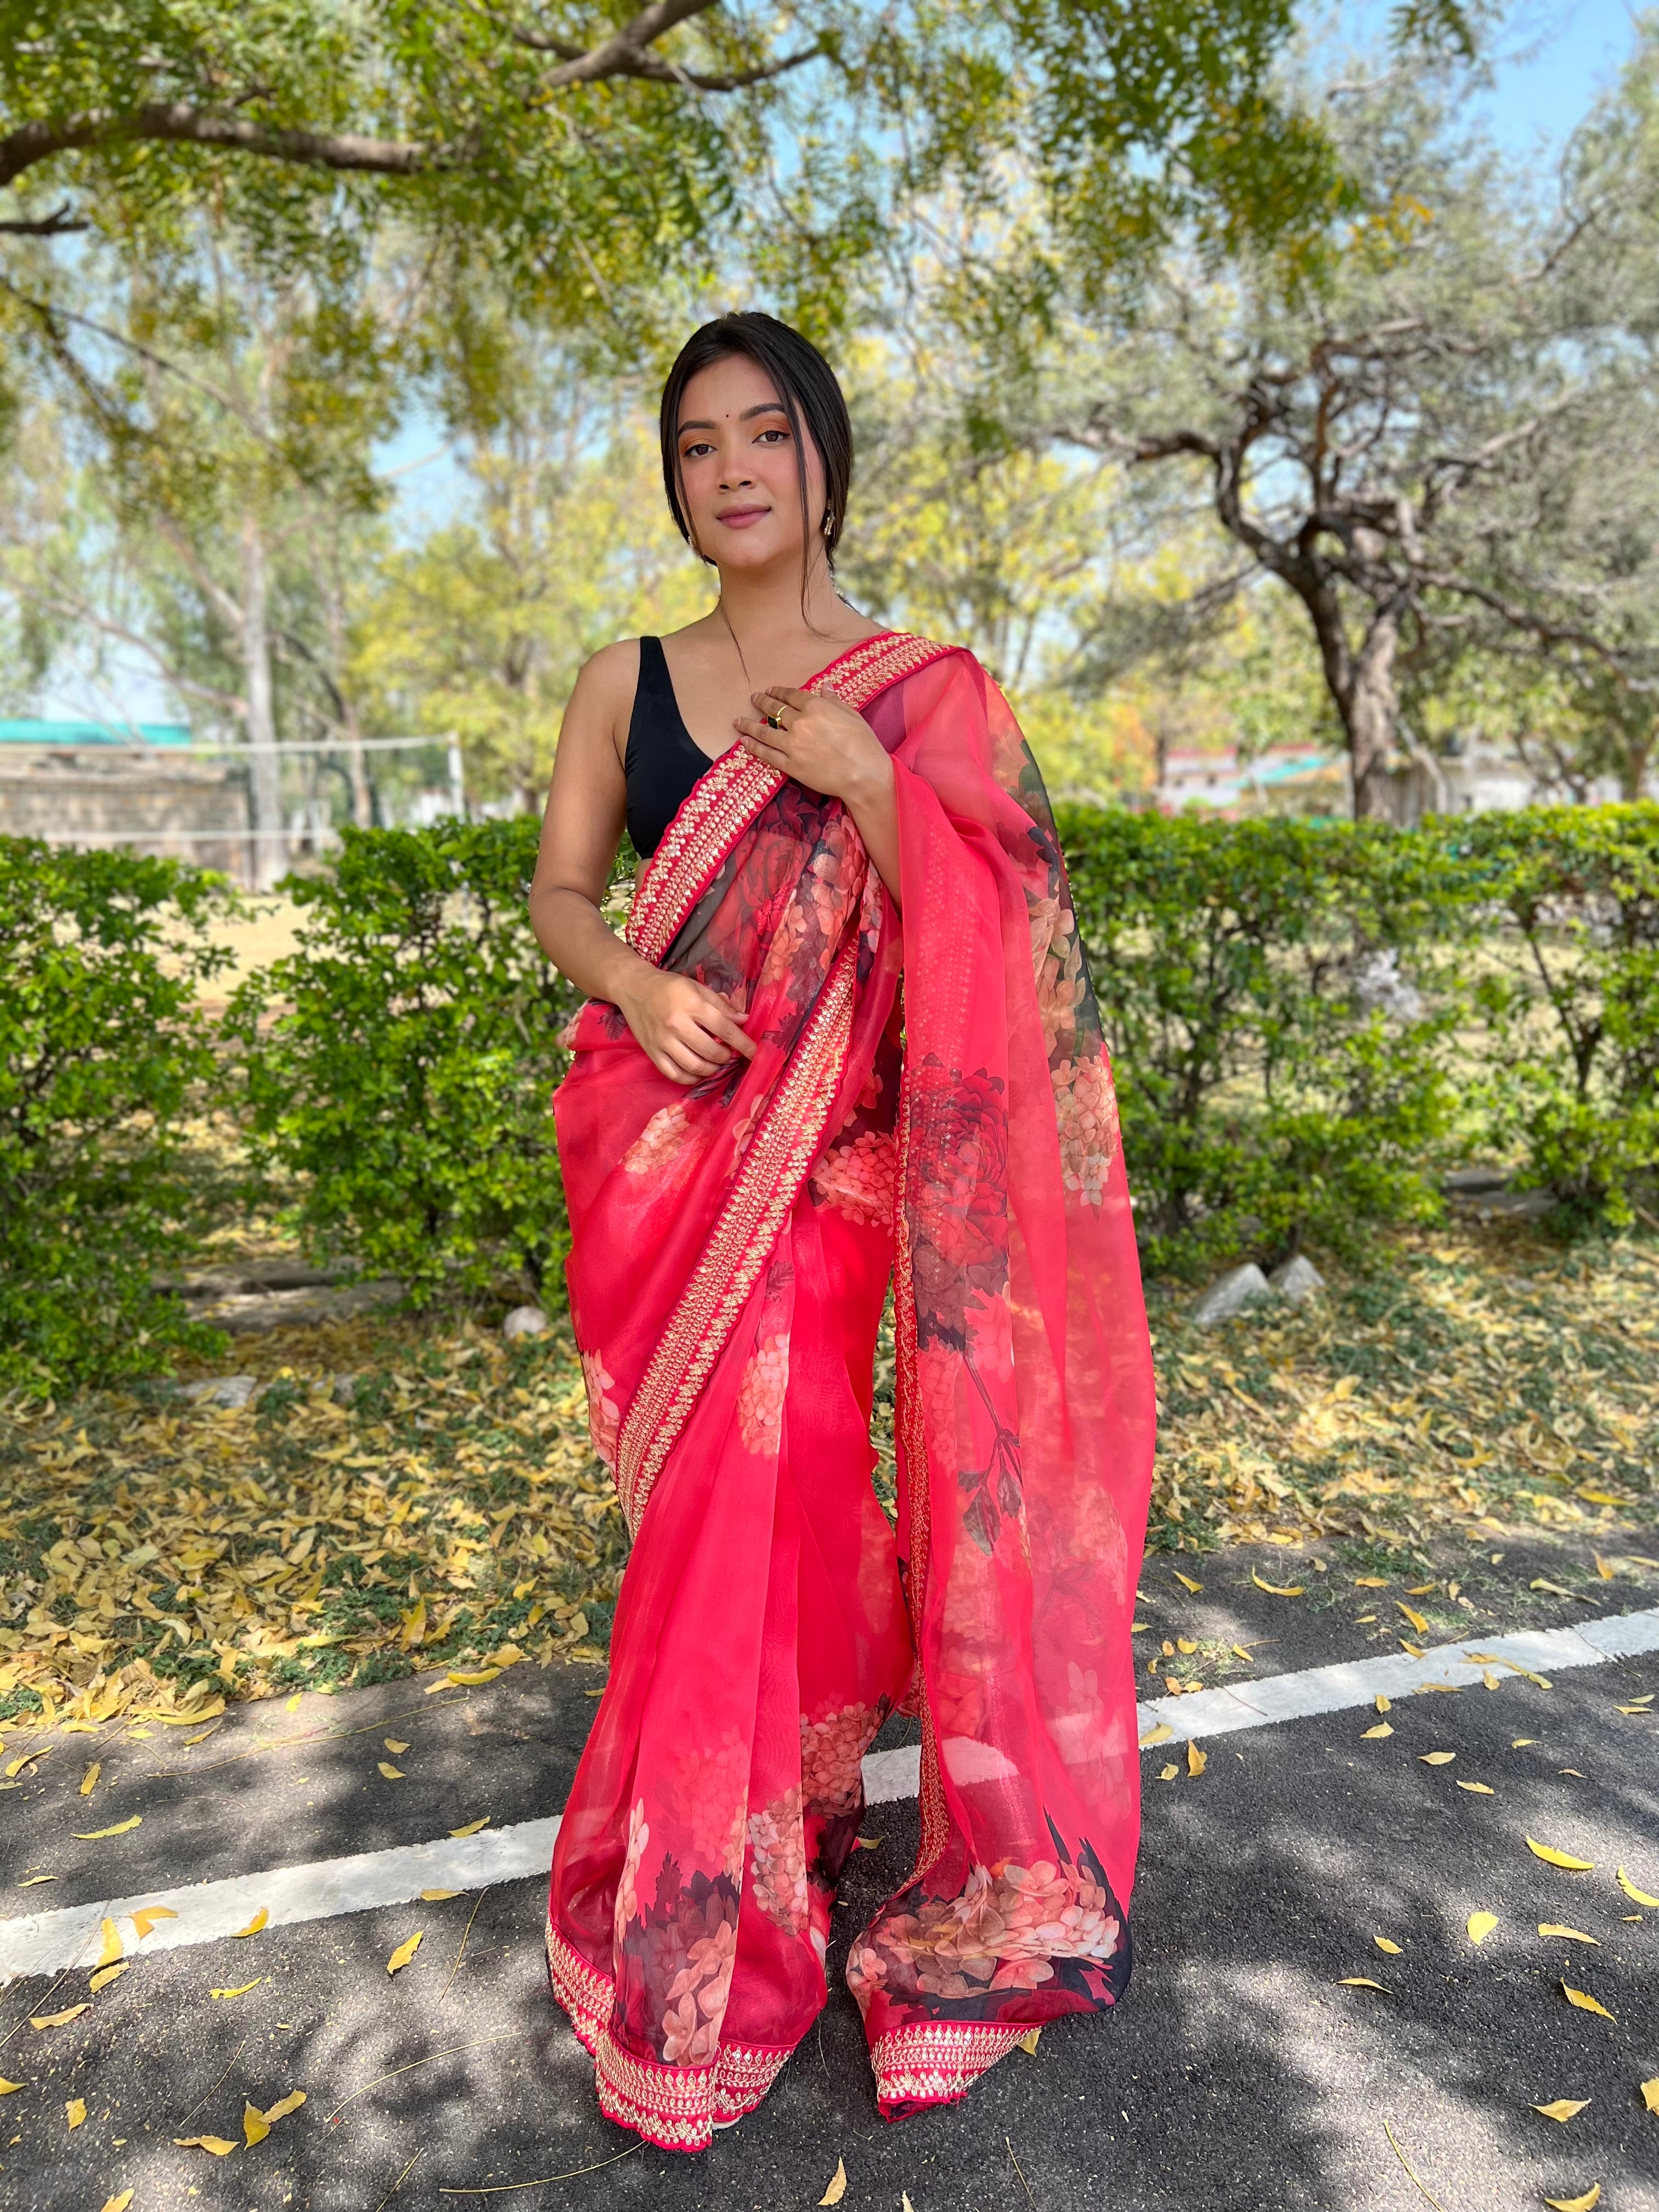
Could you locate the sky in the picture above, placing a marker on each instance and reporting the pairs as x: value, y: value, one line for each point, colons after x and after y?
x: 1551, y: 59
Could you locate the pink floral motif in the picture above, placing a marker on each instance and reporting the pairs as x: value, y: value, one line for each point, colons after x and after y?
x: 604, y: 1414
x: 1057, y: 958
x: 760, y: 1397
x: 658, y: 1142
x: 1003, y: 1932
x: 857, y: 1178
x: 1086, y: 1106
x: 627, y: 1899
x: 832, y: 1749
x: 777, y: 1846
x: 696, y: 1999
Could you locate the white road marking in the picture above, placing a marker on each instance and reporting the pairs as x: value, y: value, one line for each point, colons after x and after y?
x: 208, y: 1912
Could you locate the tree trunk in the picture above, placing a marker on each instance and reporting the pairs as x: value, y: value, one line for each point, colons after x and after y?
x: 264, y: 783
x: 1371, y: 715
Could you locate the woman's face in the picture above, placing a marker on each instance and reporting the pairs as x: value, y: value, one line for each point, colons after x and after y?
x: 738, y: 473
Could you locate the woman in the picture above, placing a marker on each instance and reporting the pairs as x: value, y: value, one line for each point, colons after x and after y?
x: 753, y: 1143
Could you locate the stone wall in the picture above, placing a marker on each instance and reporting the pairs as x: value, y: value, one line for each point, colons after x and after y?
x: 97, y: 795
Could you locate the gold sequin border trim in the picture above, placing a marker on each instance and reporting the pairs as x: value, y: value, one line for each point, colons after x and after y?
x: 775, y: 1166
x: 935, y: 2062
x: 674, y: 2107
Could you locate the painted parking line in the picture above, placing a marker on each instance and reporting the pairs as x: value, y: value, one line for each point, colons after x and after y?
x: 48, y: 1942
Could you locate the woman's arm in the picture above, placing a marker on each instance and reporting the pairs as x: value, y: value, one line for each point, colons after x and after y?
x: 827, y: 746
x: 688, y: 1031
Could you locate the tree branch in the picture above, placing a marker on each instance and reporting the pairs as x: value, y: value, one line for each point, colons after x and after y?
x: 55, y: 225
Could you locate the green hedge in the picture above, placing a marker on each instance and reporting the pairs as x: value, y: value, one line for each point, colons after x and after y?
x: 104, y: 1061
x: 1311, y: 1022
x: 395, y: 1072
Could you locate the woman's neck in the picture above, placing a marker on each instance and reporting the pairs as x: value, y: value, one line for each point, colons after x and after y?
x: 769, y: 604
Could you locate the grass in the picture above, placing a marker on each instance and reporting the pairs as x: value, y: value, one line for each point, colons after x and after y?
x: 160, y: 1556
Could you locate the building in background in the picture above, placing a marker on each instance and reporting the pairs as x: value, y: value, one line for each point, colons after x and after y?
x: 87, y: 784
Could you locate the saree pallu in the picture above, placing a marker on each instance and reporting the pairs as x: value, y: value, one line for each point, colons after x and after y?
x: 733, y: 1243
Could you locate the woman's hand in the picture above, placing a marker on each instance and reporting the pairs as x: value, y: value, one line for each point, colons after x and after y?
x: 687, y: 1031
x: 819, y: 740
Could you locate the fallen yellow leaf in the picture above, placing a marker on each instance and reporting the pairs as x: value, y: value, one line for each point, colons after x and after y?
x: 1415, y: 1617
x: 393, y: 1745
x: 1384, y: 1944
x: 1436, y: 1758
x: 118, y: 2203
x: 1027, y: 2042
x: 1197, y: 1760
x: 1563, y: 2108
x: 89, y: 1779
x: 1239, y: 1652
x: 112, y: 1947
x: 1371, y: 1581
x: 837, y: 2188
x: 105, y: 1975
x: 1359, y: 1982
x: 1591, y: 2198
x: 471, y: 1827
x: 145, y: 1919
x: 1519, y: 1742
x: 1481, y: 1925
x: 391, y: 1774
x: 76, y: 2110
x: 404, y: 1951
x: 1478, y: 1789
x: 59, y: 2019
x: 284, y: 2106
x: 10, y: 2088
x: 1383, y: 1705
x: 1585, y: 2002
x: 259, y: 1920
x: 1371, y: 1734
x: 255, y: 2126
x: 1415, y: 1650
x: 438, y: 1896
x: 473, y: 1681
x: 1168, y: 1773
x: 1277, y: 1589
x: 1650, y: 2093
x: 33, y: 1878
x: 216, y: 2144
x: 1185, y: 1580
x: 97, y: 1835
x: 1577, y: 1935
x: 1635, y: 1896
x: 1419, y: 1589
x: 242, y: 1988
x: 1185, y: 1643
x: 1161, y: 1734
x: 1551, y: 1856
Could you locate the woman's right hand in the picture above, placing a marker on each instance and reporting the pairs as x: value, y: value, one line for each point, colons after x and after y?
x: 687, y: 1031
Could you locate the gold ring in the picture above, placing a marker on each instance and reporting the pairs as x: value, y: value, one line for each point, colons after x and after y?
x: 775, y: 722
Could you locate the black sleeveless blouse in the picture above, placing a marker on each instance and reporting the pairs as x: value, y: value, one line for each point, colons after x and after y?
x: 663, y: 760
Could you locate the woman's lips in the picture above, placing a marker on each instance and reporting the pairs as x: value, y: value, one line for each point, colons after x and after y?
x: 740, y: 518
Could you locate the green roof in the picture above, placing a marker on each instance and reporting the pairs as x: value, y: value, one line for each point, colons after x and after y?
x: 27, y: 732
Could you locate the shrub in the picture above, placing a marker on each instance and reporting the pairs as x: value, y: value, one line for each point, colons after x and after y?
x: 398, y: 1067
x: 1277, y: 997
x: 1571, y: 996
x: 103, y: 1057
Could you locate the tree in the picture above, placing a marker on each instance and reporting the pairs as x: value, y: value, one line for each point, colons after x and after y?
x: 563, y: 543
x: 1433, y: 441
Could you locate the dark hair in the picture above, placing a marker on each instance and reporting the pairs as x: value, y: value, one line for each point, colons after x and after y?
x: 806, y: 385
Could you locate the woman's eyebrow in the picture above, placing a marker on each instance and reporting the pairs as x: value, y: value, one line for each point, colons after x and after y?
x: 761, y: 407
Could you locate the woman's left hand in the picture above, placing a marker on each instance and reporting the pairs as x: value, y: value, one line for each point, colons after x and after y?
x: 819, y: 740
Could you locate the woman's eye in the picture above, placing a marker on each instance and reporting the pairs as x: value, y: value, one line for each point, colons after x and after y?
x: 772, y: 437
x: 696, y: 453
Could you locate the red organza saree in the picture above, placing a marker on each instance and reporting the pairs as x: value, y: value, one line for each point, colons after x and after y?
x: 732, y: 1244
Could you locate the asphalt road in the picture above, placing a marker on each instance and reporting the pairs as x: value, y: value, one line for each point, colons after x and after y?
x: 1238, y: 2074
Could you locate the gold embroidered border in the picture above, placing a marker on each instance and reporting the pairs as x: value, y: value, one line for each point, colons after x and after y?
x: 583, y: 1990
x: 718, y: 808
x: 675, y: 2106
x: 935, y: 2062
x: 727, y: 796
x: 775, y: 1166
